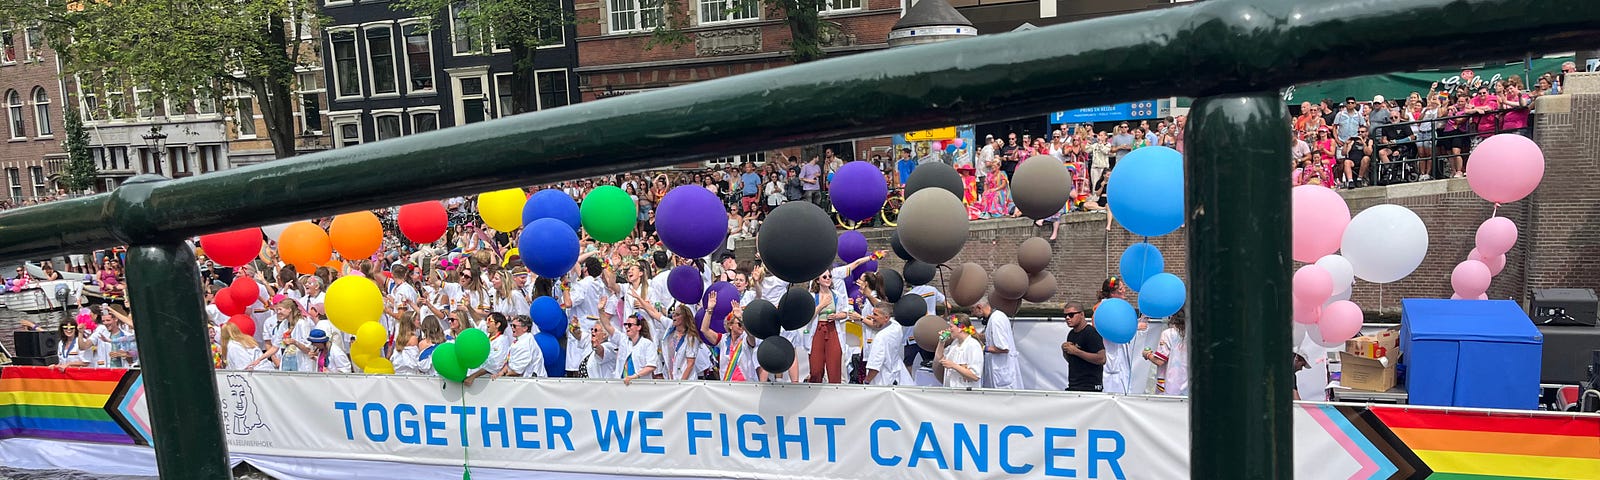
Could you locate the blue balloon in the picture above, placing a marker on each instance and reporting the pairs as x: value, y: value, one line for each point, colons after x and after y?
x: 1140, y: 262
x: 549, y: 247
x: 552, y: 203
x: 1163, y: 296
x: 1116, y: 320
x: 1146, y: 194
x: 555, y: 354
x: 547, y: 314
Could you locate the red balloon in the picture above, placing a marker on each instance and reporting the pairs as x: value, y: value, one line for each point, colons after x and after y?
x: 227, y: 303
x: 245, y: 324
x: 245, y: 291
x: 423, y: 222
x: 233, y: 249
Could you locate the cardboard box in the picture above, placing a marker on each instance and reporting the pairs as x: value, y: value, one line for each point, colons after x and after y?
x: 1384, y: 344
x: 1362, y: 373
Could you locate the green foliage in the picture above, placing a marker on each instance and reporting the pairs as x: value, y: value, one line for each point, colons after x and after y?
x: 80, y: 171
x: 512, y: 24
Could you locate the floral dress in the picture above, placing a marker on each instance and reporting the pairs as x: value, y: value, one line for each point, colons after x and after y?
x: 996, y: 196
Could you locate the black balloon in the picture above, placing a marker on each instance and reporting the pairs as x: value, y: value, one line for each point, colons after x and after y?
x: 934, y: 174
x: 899, y: 250
x: 797, y: 242
x: 761, y: 318
x: 919, y: 273
x: 909, y: 309
x: 796, y: 308
x: 893, y: 284
x: 775, y: 354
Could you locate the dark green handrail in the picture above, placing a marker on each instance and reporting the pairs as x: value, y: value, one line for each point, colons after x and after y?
x: 1234, y: 54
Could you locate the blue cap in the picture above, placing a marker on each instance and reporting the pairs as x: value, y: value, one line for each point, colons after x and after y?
x: 318, y: 336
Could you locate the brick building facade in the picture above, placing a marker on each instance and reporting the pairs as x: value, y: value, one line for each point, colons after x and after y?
x: 30, y: 105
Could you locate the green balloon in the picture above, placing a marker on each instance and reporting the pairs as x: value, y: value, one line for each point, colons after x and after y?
x: 472, y: 348
x: 445, y: 362
x: 609, y: 214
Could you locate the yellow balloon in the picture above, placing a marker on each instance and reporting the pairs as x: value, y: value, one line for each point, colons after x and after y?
x: 352, y: 301
x: 502, y: 209
x: 379, y: 366
x: 370, y: 339
x: 361, y: 360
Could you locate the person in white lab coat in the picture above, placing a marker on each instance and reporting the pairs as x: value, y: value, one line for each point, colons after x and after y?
x: 1000, y: 350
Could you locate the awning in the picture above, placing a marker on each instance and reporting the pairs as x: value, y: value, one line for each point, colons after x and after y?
x: 1399, y: 85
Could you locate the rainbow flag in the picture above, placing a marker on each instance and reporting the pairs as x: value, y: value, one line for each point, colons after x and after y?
x: 1458, y: 446
x: 75, y: 404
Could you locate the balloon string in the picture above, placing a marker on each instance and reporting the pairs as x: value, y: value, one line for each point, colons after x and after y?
x: 466, y: 445
x: 1496, y: 211
x: 947, y: 308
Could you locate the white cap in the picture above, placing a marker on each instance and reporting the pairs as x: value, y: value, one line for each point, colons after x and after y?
x: 1377, y: 99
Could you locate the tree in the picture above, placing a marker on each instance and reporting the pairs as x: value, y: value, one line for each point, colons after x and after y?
x: 181, y: 49
x: 806, y: 27
x: 519, y: 25
x: 80, y: 173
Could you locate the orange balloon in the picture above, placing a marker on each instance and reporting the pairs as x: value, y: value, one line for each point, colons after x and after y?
x: 304, y: 243
x: 305, y: 269
x: 356, y: 235
x: 336, y: 265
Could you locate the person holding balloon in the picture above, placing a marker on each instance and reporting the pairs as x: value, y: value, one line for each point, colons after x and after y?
x: 682, y: 347
x: 958, y: 358
x: 636, y: 353
x: 499, y: 347
x: 584, y: 307
x: 1171, y: 358
x: 824, y: 345
x: 327, y: 356
x: 736, y: 349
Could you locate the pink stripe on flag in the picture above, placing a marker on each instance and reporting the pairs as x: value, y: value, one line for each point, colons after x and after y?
x: 1368, y: 467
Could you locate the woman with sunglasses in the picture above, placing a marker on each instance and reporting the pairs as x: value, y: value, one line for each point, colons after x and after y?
x: 636, y: 354
x: 826, y: 355
x: 74, y: 347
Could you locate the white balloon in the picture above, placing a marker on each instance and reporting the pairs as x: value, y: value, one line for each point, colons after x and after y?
x: 1314, y: 333
x: 273, y: 231
x: 1297, y: 333
x: 1385, y: 243
x: 1345, y: 295
x: 1344, y: 275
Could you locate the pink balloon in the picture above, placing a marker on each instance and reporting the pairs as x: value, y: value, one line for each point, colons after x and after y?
x: 1313, y: 284
x: 1505, y: 168
x: 1320, y: 216
x: 1496, y: 235
x: 1495, y: 263
x: 1307, y: 313
x: 1454, y: 296
x: 1483, y: 296
x: 1341, y: 321
x: 1470, y: 278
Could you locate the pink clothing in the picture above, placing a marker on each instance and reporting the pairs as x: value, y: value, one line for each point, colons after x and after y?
x: 1517, y: 118
x: 1488, y: 122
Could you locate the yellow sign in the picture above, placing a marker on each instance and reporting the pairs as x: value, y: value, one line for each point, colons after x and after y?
x: 945, y: 133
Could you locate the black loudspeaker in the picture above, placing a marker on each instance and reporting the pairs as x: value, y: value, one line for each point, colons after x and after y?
x: 1564, y: 307
x: 1568, y: 352
x: 36, y: 344
x: 36, y: 361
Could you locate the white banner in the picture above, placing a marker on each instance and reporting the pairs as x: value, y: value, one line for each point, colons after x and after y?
x: 777, y: 431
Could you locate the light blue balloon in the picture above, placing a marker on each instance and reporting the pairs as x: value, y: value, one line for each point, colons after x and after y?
x: 1146, y: 192
x: 1140, y: 262
x: 1163, y: 295
x: 1116, y: 320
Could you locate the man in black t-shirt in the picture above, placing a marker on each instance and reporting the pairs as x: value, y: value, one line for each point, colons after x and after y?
x: 1084, y: 350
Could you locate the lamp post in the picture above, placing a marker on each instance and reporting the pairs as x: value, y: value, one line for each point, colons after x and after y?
x: 155, y: 141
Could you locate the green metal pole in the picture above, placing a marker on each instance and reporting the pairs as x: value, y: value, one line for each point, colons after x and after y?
x: 1238, y: 203
x: 185, y: 414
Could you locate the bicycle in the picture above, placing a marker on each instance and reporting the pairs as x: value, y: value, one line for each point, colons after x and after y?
x: 888, y: 216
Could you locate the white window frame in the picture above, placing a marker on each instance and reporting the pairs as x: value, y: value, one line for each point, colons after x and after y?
x: 86, y: 97
x: 8, y: 34
x: 300, y: 101
x: 338, y: 87
x: 372, y: 71
x: 33, y: 54
x: 433, y: 77
x: 14, y: 105
x: 235, y: 98
x: 40, y: 187
x: 41, y: 113
x: 337, y: 3
x: 828, y: 7
x: 411, y: 118
x: 454, y: 35
x: 141, y: 96
x: 338, y: 119
x: 637, y: 13
x: 481, y: 73
x: 501, y: 110
x: 701, y: 11
x: 566, y: 79
x: 561, y: 30
x: 399, y: 118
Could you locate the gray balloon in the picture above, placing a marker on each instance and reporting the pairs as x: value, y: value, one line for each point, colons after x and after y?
x: 1041, y: 286
x: 935, y: 174
x: 1041, y: 186
x: 1010, y: 282
x: 1009, y: 306
x: 927, y: 331
x: 1034, y: 255
x: 933, y: 225
x: 969, y: 284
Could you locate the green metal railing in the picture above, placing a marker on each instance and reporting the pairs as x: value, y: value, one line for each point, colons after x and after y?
x: 1233, y: 55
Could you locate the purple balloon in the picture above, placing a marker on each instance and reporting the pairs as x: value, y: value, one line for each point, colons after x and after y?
x: 691, y: 221
x: 862, y: 269
x: 727, y: 295
x: 858, y: 190
x: 852, y: 290
x: 852, y: 245
x: 685, y: 284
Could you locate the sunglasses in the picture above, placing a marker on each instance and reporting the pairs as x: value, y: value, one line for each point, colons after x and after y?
x: 1072, y: 314
x: 630, y: 324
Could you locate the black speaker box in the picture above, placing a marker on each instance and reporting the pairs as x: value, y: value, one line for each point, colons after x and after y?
x: 1568, y: 352
x: 1564, y: 306
x: 36, y: 361
x: 36, y: 344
